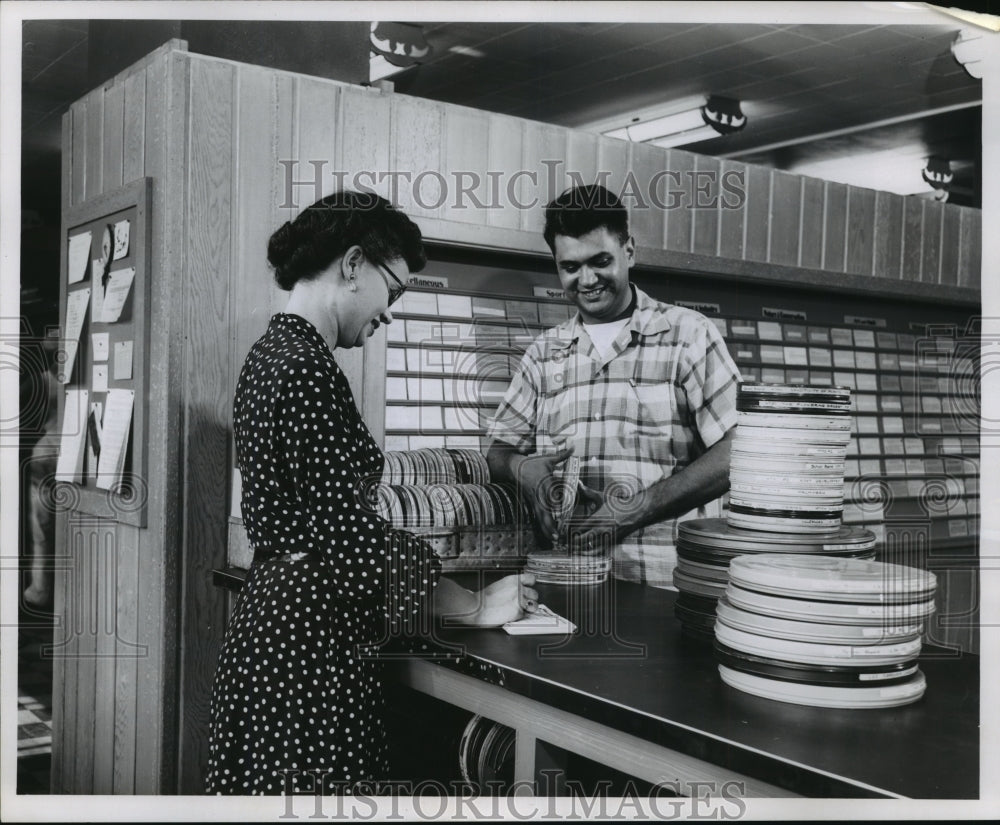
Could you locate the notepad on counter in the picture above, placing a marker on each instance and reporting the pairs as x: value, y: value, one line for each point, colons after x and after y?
x: 542, y: 622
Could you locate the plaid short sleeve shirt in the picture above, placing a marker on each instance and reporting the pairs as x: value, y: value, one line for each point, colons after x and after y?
x: 664, y: 395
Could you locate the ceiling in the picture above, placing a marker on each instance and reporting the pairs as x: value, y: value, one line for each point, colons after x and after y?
x: 818, y: 98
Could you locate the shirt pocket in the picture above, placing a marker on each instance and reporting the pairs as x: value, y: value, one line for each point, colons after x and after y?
x: 654, y: 408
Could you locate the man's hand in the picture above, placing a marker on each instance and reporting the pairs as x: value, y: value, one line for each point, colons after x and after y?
x: 535, y: 477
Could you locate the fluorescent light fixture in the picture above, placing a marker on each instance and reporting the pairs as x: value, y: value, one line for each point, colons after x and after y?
x: 681, y: 123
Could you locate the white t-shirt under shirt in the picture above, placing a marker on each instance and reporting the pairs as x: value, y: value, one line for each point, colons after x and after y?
x: 602, y: 336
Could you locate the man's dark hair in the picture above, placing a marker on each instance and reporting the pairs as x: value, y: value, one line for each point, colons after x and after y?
x: 583, y: 209
x: 304, y: 247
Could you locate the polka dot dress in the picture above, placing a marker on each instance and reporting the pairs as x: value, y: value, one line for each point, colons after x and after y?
x: 297, y: 693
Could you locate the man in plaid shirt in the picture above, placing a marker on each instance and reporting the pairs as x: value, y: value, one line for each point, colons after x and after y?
x: 643, y: 392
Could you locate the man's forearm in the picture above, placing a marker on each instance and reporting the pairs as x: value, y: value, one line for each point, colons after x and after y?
x: 704, y: 479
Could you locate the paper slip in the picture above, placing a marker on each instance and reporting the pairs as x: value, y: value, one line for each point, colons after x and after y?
x: 121, y: 240
x: 114, y: 433
x: 69, y: 466
x: 76, y: 312
x: 542, y: 622
x: 123, y: 360
x: 99, y: 343
x: 79, y: 254
x: 116, y: 293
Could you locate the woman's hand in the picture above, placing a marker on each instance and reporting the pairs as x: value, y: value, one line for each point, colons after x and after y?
x: 506, y: 600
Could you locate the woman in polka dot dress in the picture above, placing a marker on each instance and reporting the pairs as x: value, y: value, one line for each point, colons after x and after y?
x: 297, y: 696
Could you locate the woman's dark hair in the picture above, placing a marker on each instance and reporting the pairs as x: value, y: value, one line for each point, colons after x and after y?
x: 583, y: 209
x: 301, y: 249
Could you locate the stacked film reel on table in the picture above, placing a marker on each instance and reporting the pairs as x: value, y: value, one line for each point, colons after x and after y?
x: 824, y: 631
x: 560, y: 565
x: 786, y: 495
x: 445, y: 496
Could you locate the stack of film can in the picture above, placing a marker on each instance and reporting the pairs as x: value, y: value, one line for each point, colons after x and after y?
x: 705, y: 548
x: 824, y: 631
x: 787, y: 460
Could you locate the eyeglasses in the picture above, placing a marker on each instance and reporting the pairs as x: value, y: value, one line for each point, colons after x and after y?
x: 394, y: 291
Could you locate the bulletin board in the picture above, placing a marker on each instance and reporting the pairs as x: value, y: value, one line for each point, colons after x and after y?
x: 103, y: 357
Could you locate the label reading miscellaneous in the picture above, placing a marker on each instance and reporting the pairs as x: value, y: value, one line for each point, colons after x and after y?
x: 427, y: 281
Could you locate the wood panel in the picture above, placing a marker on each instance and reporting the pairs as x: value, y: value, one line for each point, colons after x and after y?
x: 647, y: 165
x: 860, y: 230
x: 206, y: 399
x: 105, y: 608
x: 543, y: 178
x: 970, y: 248
x: 706, y: 196
x: 416, y: 156
x: 465, y: 155
x: 612, y: 166
x: 913, y: 227
x: 679, y: 200
x: 580, y: 166
x: 133, y: 126
x: 365, y: 141
x: 127, y: 653
x: 78, y: 117
x: 786, y: 212
x: 758, y: 219
x: 254, y: 210
x: 888, y: 235
x: 504, y: 162
x: 93, y: 183
x: 733, y: 209
x: 835, y: 239
x: 811, y: 224
x: 87, y: 535
x: 930, y: 243
x: 164, y: 158
x: 951, y: 230
x: 112, y: 142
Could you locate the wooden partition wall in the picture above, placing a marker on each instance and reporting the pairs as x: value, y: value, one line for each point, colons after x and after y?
x: 232, y: 151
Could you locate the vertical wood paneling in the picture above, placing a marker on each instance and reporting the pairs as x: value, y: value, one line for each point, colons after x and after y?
x: 733, y: 208
x: 581, y: 158
x: 706, y: 196
x: 66, y: 649
x: 612, y: 166
x: 834, y: 244
x: 647, y: 165
x: 811, y: 224
x: 365, y: 141
x: 206, y: 400
x: 255, y: 198
x: 105, y: 606
x: 90, y: 534
x: 78, y: 114
x: 758, y: 213
x: 466, y: 150
x: 543, y: 179
x: 680, y: 200
x: 133, y: 126
x: 165, y: 160
x: 284, y: 123
x: 416, y: 155
x: 951, y: 229
x: 930, y: 246
x: 505, y: 147
x: 93, y: 177
x: 913, y: 224
x: 786, y: 208
x: 970, y: 248
x: 114, y: 129
x: 888, y: 235
x: 128, y: 654
x: 860, y: 230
